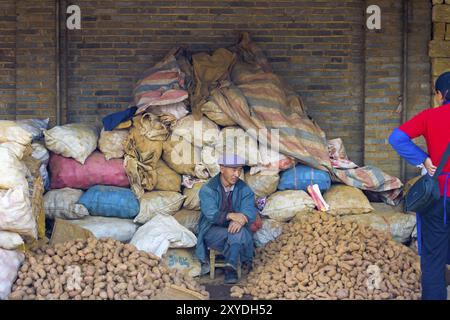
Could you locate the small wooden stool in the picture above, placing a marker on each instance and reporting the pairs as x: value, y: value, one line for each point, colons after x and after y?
x: 213, y: 263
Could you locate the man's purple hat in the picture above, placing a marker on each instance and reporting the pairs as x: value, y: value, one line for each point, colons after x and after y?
x: 231, y: 161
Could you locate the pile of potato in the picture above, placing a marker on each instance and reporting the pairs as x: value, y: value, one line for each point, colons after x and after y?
x: 323, y: 257
x: 95, y: 269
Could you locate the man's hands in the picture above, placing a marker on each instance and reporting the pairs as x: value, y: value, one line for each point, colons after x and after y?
x: 234, y: 227
x: 237, y: 217
x: 429, y: 166
x: 237, y: 221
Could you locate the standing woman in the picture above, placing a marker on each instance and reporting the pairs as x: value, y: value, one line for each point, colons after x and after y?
x: 433, y: 226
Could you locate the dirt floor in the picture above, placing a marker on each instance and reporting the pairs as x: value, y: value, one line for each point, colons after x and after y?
x: 217, y: 289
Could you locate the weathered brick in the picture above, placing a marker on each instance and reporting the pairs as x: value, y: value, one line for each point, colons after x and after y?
x: 439, y: 49
x: 440, y: 65
x: 439, y: 30
x: 441, y: 13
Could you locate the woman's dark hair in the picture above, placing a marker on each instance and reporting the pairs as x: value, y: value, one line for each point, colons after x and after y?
x: 443, y: 86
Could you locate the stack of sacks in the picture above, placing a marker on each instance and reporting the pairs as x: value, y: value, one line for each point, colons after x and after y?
x: 21, y: 164
x: 90, y: 187
x: 158, y: 154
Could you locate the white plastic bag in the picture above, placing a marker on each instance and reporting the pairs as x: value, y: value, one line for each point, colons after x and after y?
x: 160, y: 233
x: 16, y: 148
x: 158, y: 202
x: 16, y: 214
x: 11, y: 131
x: 284, y: 205
x: 106, y: 227
x: 10, y: 262
x: 10, y: 240
x: 184, y: 260
x: 111, y: 143
x: 74, y: 140
x: 13, y: 173
x: 41, y: 154
x: 269, y: 231
x: 62, y: 203
x: 35, y: 127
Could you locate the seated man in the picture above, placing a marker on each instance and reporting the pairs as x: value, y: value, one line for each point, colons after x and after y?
x: 227, y: 212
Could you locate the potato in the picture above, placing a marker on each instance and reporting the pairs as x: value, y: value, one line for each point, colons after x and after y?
x: 322, y: 257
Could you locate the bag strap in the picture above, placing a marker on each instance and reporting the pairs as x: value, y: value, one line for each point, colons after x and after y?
x: 442, y: 162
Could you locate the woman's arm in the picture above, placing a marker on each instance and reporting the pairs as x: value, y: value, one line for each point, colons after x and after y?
x: 407, y: 149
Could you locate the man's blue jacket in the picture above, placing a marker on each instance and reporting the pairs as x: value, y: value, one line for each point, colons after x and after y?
x: 243, y: 200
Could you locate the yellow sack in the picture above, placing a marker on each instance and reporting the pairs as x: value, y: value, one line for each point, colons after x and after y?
x: 345, y: 200
x: 192, y: 201
x: 143, y: 149
x: 181, y: 155
x: 168, y: 179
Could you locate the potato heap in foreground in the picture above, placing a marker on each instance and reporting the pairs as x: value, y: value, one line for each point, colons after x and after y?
x: 95, y: 269
x: 322, y: 257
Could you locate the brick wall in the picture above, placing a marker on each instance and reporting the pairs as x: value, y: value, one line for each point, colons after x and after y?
x: 440, y: 44
x: 7, y: 59
x: 314, y: 45
x: 35, y: 59
x: 383, y: 84
x: 322, y: 49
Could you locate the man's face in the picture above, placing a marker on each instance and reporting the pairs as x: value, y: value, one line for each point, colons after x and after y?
x: 230, y: 175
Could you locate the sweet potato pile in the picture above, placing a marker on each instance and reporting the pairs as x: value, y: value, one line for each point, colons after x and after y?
x: 322, y: 257
x: 95, y: 269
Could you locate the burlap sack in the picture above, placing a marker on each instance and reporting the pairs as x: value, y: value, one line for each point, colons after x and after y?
x: 111, y: 143
x: 386, y: 218
x: 181, y: 155
x: 345, y: 200
x: 192, y: 201
x: 234, y: 140
x: 284, y: 205
x: 168, y: 179
x: 212, y: 109
x: 143, y: 149
x: 199, y: 133
x: 188, y: 219
x: 158, y: 202
x: 263, y: 183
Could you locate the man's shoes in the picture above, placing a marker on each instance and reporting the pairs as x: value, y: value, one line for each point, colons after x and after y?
x: 230, y: 266
x: 230, y: 276
x: 205, y: 269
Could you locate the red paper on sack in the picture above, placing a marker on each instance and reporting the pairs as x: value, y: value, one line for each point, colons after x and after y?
x: 67, y: 172
x: 257, y: 224
x: 315, y: 194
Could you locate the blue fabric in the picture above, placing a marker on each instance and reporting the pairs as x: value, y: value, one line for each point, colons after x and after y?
x: 445, y: 197
x: 407, y: 149
x: 435, y: 246
x: 114, y: 119
x: 110, y: 201
x: 300, y: 177
x: 232, y: 245
x: 210, y: 195
x: 443, y: 85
